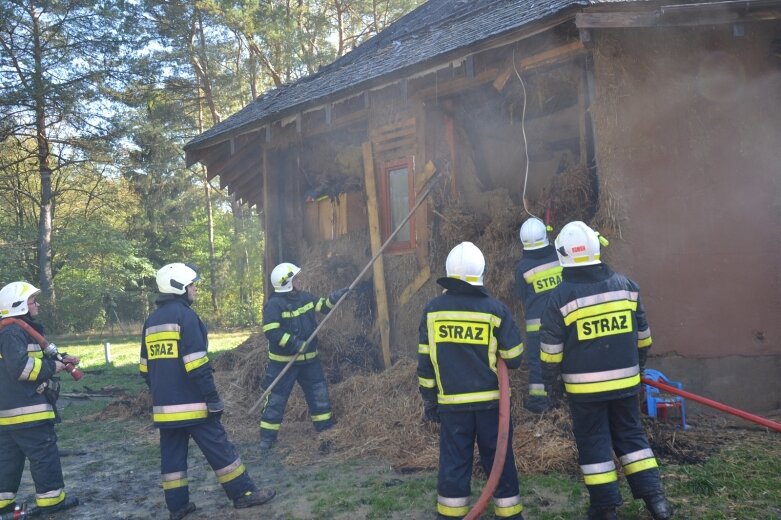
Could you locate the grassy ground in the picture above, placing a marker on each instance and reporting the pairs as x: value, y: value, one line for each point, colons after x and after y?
x: 113, y: 466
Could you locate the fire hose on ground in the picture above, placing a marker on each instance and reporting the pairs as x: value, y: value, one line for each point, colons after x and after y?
x: 767, y: 423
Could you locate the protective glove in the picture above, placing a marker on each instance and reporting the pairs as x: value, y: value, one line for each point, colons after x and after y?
x: 335, y: 295
x: 430, y: 412
x: 215, y: 409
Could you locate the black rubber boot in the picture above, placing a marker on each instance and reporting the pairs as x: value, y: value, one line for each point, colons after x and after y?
x: 602, y: 513
x: 254, y: 498
x: 70, y: 501
x: 181, y: 513
x: 659, y: 507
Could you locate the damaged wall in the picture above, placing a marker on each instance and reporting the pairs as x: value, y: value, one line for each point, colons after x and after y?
x: 688, y: 133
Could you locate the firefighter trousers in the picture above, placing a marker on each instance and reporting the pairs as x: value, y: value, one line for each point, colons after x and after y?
x: 312, y: 380
x: 457, y: 434
x: 39, y: 445
x: 602, y: 428
x: 536, y: 382
x: 220, y: 453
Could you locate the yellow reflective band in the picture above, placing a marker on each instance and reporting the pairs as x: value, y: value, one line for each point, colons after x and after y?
x: 298, y: 312
x: 545, y: 281
x: 551, y: 358
x: 426, y: 383
x: 465, y: 278
x: 180, y: 416
x: 49, y: 501
x: 644, y: 343
x: 533, y: 327
x: 423, y: 349
x: 600, y: 478
x: 302, y: 357
x: 222, y: 479
x: 319, y: 305
x: 506, y: 512
x: 166, y: 335
x: 602, y: 308
x: 269, y: 426
x: 5, y: 502
x: 452, y: 511
x: 541, y: 393
x: 605, y: 386
x: 30, y: 417
x: 640, y: 465
x: 143, y: 368
x: 173, y: 484
x: 192, y: 365
x: 271, y: 326
x: 321, y: 417
x: 512, y: 352
x: 604, y: 325
x: 472, y: 397
x: 284, y: 340
x: 462, y: 332
x: 37, y: 365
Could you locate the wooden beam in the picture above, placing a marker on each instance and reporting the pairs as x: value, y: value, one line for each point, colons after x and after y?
x: 555, y: 55
x: 234, y: 158
x: 458, y: 84
x: 705, y: 14
x: 415, y: 285
x: 380, y: 293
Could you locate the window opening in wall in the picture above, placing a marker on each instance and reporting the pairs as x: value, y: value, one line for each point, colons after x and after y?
x: 397, y: 200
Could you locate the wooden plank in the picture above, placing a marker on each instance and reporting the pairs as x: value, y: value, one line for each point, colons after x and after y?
x: 422, y: 231
x: 707, y: 14
x: 415, y: 285
x: 393, y: 127
x: 458, y: 84
x: 386, y: 146
x: 380, y: 293
x: 402, y: 133
x: 555, y: 55
x: 268, y: 245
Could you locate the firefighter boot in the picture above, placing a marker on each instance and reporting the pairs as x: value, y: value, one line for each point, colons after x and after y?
x: 182, y: 512
x: 254, y: 498
x: 537, y: 404
x: 602, y: 513
x: 67, y: 503
x: 659, y: 507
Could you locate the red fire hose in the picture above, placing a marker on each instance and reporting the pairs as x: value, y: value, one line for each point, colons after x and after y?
x: 502, y: 441
x: 48, y: 348
x: 767, y: 423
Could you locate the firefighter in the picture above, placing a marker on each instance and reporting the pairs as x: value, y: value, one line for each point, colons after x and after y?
x: 288, y: 320
x: 595, y: 335
x: 462, y: 332
x: 175, y: 366
x: 27, y: 406
x: 536, y: 275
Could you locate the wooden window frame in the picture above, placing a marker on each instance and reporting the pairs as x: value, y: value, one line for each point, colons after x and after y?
x: 408, y: 246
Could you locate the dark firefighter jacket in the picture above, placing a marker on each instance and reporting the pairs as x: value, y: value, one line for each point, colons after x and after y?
x: 536, y: 275
x: 461, y: 334
x: 22, y: 368
x: 288, y: 321
x: 594, y: 330
x: 175, y: 364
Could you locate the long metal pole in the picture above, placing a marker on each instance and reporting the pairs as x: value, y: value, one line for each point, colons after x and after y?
x: 421, y: 197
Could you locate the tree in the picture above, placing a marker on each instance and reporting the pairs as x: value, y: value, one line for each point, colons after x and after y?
x: 59, y: 60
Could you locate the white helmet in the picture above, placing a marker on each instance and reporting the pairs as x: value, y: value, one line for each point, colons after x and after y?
x: 174, y: 278
x: 577, y: 245
x: 282, y: 277
x: 534, y: 234
x: 13, y: 298
x: 466, y: 262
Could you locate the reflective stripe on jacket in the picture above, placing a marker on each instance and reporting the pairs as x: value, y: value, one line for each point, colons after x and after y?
x: 592, y: 330
x: 538, y: 273
x: 175, y: 362
x: 288, y: 320
x: 461, y: 334
x: 22, y: 369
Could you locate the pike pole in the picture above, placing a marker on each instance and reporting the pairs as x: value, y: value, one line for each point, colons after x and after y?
x: 767, y: 423
x: 422, y: 196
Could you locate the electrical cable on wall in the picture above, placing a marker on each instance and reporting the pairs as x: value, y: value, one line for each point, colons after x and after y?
x: 525, y: 141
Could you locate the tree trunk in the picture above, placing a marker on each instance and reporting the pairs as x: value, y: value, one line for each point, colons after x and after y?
x: 209, y: 215
x: 45, y: 274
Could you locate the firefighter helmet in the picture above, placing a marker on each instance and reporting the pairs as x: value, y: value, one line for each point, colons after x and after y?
x: 534, y: 234
x: 466, y: 262
x: 577, y: 244
x: 13, y: 298
x: 174, y: 278
x: 282, y: 277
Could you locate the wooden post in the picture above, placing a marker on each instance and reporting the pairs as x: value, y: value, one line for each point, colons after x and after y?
x: 380, y: 293
x: 107, y: 352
